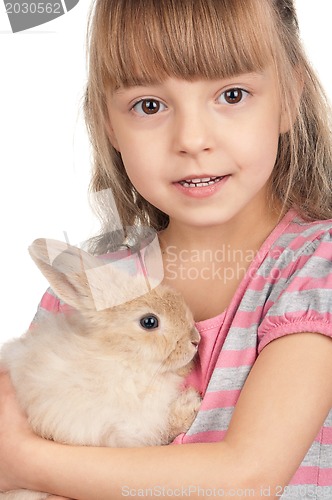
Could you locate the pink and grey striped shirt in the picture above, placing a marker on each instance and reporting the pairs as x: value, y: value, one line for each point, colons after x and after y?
x: 286, y: 290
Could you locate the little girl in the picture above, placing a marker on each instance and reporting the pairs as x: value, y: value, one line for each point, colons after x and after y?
x: 209, y: 125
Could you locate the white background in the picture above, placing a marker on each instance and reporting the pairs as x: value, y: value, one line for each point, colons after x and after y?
x: 44, y: 150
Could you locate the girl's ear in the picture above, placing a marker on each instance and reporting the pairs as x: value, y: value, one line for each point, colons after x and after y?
x: 289, y: 114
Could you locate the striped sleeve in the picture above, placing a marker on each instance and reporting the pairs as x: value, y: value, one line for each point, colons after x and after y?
x: 301, y: 300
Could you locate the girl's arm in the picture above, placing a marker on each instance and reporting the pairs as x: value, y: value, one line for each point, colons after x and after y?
x: 283, y: 404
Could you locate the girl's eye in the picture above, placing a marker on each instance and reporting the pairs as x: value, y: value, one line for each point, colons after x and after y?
x: 149, y: 322
x: 148, y: 107
x: 233, y: 96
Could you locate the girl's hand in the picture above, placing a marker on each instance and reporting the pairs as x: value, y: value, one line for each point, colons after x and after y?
x: 15, y: 434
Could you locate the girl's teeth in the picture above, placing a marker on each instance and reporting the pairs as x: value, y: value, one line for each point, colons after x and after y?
x: 206, y: 181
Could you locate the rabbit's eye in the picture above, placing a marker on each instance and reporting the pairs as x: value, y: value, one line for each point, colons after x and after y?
x: 149, y: 322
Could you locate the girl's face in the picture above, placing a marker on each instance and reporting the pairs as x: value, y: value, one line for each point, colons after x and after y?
x: 201, y: 151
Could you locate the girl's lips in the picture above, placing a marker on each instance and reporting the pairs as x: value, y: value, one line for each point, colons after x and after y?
x: 201, y: 187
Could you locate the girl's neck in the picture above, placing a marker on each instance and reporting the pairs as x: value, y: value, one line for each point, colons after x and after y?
x: 210, y: 262
x: 241, y: 233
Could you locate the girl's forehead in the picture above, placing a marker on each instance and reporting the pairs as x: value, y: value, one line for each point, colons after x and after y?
x: 187, y: 39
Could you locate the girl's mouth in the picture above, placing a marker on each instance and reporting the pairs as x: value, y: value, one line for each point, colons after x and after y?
x: 196, y: 183
x: 201, y: 187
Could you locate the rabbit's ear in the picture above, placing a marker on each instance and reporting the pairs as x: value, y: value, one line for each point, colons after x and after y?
x: 64, y: 267
x: 86, y: 282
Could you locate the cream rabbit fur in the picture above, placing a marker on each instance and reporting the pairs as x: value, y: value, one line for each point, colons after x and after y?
x: 112, y: 377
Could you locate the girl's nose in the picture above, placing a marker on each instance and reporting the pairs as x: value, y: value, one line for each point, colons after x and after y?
x: 193, y: 133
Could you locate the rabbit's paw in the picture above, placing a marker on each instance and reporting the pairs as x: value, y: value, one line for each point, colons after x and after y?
x: 183, y: 411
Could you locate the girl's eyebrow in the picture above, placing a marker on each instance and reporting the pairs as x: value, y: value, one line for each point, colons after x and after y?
x: 254, y: 75
x: 138, y: 84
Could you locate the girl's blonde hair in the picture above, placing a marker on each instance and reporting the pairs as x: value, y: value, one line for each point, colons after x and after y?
x: 145, y: 41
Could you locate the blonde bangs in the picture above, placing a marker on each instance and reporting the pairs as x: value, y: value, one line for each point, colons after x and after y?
x: 145, y: 41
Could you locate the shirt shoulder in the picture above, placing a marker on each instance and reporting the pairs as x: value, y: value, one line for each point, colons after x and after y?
x: 50, y: 304
x: 296, y: 281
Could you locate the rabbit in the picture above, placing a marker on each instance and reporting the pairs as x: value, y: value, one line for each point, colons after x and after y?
x: 103, y: 376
